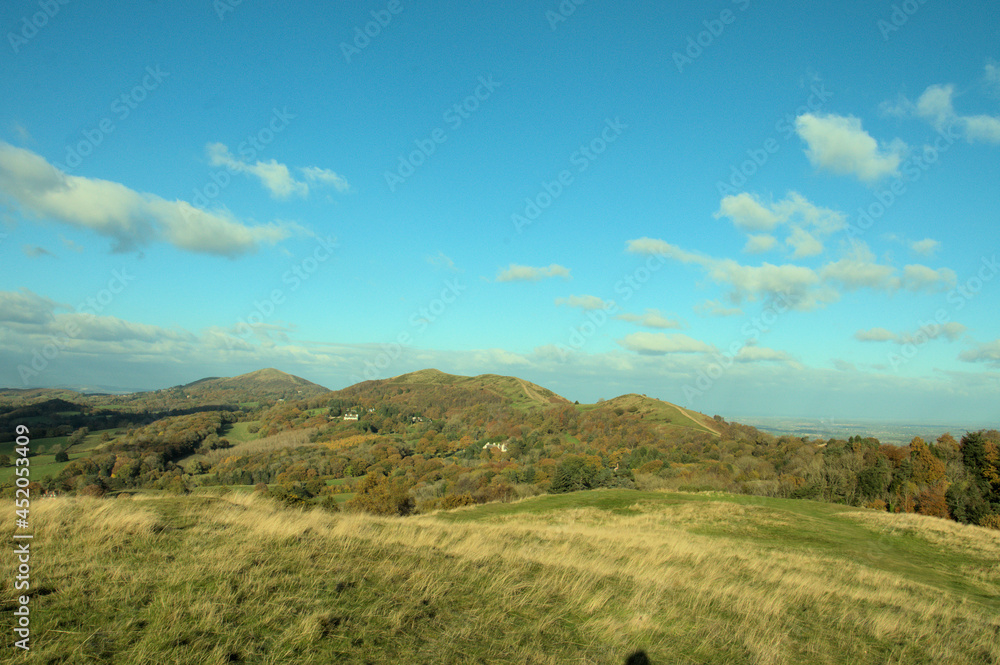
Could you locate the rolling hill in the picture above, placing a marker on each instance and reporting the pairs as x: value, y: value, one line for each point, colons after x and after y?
x: 433, y: 389
x: 263, y: 385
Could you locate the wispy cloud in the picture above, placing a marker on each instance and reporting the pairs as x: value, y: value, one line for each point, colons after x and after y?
x: 656, y: 344
x: 652, y: 318
x: 277, y: 177
x: 132, y: 219
x: 585, y: 302
x: 519, y: 273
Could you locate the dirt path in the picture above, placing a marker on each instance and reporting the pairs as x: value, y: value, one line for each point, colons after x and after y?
x: 708, y: 427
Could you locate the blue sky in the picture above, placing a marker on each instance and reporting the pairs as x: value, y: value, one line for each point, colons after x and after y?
x: 740, y: 207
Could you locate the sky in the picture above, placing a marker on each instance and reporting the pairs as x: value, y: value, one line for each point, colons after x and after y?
x: 745, y: 208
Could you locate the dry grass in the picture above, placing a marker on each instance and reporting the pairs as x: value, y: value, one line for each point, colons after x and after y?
x: 212, y: 580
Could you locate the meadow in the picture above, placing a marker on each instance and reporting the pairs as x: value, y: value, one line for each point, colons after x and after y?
x: 586, y: 577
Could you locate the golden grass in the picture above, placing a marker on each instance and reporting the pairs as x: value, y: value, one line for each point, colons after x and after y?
x: 208, y: 580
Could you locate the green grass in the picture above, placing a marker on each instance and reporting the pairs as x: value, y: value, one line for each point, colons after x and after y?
x: 587, y: 577
x: 41, y: 466
x: 239, y: 432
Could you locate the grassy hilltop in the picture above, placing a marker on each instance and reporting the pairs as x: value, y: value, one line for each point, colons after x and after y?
x: 586, y: 577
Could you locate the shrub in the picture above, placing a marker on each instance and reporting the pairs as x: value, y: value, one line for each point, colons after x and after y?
x: 92, y: 490
x: 990, y: 521
x: 457, y: 501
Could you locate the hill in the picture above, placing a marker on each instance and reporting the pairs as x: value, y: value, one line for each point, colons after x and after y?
x: 585, y: 577
x: 262, y: 385
x: 431, y: 390
x: 668, y: 416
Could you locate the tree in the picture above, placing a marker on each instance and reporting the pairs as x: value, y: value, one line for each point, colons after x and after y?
x: 78, y: 436
x: 62, y: 456
x: 4, y: 460
x: 382, y: 496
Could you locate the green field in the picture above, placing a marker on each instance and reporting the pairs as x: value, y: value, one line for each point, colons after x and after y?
x: 239, y: 432
x: 43, y: 465
x: 588, y: 577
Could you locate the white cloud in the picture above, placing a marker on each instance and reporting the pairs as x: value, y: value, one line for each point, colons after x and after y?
x: 27, y: 307
x: 661, y: 343
x: 991, y: 77
x: 326, y: 177
x: 987, y: 352
x: 805, y: 243
x: 926, y: 247
x: 131, y: 218
x: 950, y: 331
x: 652, y: 318
x: 875, y: 335
x: 759, y: 244
x: 840, y: 145
x: 715, y: 308
x: 748, y: 213
x: 936, y: 106
x: 921, y: 278
x: 518, y: 273
x: 585, y: 302
x: 806, y: 221
x: 858, y: 269
x: 751, y: 354
x: 275, y: 176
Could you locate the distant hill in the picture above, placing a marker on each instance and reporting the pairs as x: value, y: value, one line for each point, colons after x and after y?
x: 664, y: 413
x: 263, y: 385
x: 435, y: 392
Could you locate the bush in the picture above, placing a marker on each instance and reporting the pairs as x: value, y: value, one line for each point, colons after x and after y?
x: 62, y: 456
x: 990, y: 521
x: 457, y: 501
x: 382, y: 496
x: 328, y: 504
x: 92, y: 490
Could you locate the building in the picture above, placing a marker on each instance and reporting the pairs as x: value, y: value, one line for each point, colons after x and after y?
x: 350, y: 416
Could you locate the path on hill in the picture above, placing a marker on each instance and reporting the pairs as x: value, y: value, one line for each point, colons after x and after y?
x: 532, y: 394
x: 688, y: 414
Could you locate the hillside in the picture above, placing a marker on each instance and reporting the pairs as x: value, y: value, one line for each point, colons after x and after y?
x: 588, y: 577
x: 669, y: 416
x: 434, y: 390
x: 263, y: 385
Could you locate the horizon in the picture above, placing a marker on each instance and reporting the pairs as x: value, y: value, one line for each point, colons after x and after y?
x: 832, y: 424
x: 710, y: 205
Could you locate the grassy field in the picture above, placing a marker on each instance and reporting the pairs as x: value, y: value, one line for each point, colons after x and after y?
x: 45, y: 464
x: 589, y: 577
x: 239, y: 432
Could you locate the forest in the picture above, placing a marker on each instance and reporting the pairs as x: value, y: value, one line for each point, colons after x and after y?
x: 419, y: 447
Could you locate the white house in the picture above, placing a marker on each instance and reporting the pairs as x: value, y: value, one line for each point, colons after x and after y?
x: 350, y: 416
